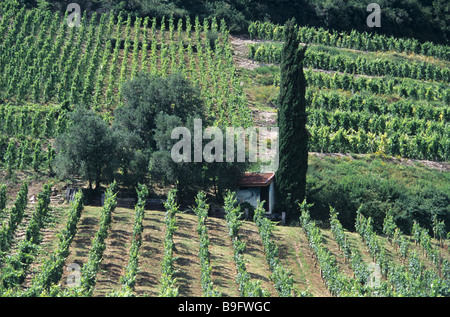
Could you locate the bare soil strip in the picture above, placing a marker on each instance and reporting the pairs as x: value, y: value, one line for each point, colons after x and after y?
x: 150, y: 254
x: 116, y: 254
x: 221, y: 255
x: 88, y: 226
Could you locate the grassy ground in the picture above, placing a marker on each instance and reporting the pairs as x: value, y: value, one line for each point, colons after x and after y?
x: 370, y: 176
x: 294, y: 253
x: 332, y: 179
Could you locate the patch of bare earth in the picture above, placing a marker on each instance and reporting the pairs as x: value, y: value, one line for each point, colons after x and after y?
x: 440, y: 166
x: 116, y: 254
x: 224, y: 270
x: 88, y: 226
x: 187, y: 262
x: 240, y: 49
x: 151, y: 254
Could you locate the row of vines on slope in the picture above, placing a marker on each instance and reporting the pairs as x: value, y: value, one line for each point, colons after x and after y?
x: 15, y: 268
x: 44, y: 61
x: 337, y: 282
x: 358, y: 124
x: 271, y: 53
x: 353, y: 40
x: 45, y: 282
x: 360, y: 268
x: 401, y: 87
x: 128, y: 279
x: 16, y: 215
x: 201, y: 210
x: 247, y: 286
x: 281, y: 277
x: 411, y: 279
x: 90, y: 268
x: 168, y: 286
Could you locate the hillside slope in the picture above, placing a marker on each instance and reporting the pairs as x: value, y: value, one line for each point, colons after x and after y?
x: 293, y: 250
x: 380, y: 137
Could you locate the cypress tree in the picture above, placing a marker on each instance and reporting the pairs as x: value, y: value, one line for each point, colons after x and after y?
x: 293, y: 149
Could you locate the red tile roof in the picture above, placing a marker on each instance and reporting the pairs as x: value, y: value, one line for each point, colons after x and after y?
x: 256, y: 179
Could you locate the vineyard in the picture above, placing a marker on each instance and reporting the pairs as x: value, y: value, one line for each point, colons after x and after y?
x: 367, y: 94
x: 172, y: 252
x: 89, y: 64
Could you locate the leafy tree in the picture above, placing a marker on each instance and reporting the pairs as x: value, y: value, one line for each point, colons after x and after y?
x: 147, y: 95
x: 189, y: 177
x: 132, y: 158
x: 162, y: 168
x: 293, y: 151
x: 87, y: 149
x: 153, y: 107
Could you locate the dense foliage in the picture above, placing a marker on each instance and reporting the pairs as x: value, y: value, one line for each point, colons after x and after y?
x: 99, y: 103
x: 413, y: 18
x: 87, y: 149
x: 293, y: 149
x: 380, y: 185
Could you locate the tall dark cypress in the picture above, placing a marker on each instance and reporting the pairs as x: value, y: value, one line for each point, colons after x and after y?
x: 293, y: 138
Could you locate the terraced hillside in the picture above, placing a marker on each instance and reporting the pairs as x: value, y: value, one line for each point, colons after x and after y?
x: 382, y: 98
x: 365, y: 93
x: 360, y: 261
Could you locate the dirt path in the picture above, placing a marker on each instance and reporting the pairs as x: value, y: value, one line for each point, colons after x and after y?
x: 151, y: 253
x: 264, y: 119
x: 187, y: 262
x: 88, y: 226
x: 116, y: 255
x: 441, y: 166
x: 224, y: 270
x: 240, y: 48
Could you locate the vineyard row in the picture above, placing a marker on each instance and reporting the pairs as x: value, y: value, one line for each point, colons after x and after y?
x: 44, y: 61
x: 353, y: 40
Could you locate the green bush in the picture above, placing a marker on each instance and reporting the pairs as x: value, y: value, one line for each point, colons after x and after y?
x: 377, y: 186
